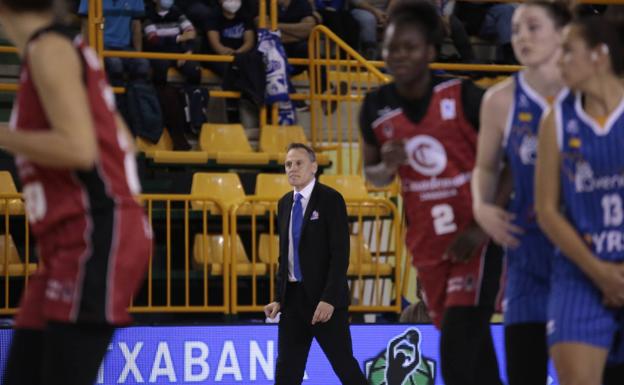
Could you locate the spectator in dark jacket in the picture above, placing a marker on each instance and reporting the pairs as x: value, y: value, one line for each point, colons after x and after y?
x: 168, y: 30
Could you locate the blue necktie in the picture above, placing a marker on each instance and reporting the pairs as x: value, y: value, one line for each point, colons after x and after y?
x: 297, y: 218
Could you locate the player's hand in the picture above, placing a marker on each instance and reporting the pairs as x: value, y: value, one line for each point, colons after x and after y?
x: 497, y: 223
x: 610, y: 279
x: 323, y: 312
x: 272, y: 309
x: 466, y: 244
x: 393, y: 154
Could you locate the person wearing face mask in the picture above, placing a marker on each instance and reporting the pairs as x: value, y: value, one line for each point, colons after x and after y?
x: 230, y: 32
x: 167, y: 29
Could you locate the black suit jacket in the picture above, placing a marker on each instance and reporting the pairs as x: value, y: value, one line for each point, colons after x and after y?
x: 323, y: 247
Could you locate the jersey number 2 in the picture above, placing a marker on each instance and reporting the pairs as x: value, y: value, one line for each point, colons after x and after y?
x: 443, y: 219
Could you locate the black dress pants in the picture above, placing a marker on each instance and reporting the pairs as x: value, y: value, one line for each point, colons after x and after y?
x: 295, y: 337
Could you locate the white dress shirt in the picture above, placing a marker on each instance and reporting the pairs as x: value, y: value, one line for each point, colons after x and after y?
x: 305, y: 198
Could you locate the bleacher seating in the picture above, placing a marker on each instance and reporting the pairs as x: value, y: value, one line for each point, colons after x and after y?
x: 7, y: 186
x: 10, y: 256
x: 213, y: 253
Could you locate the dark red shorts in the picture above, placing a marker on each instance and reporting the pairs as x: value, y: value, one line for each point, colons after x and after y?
x: 472, y: 283
x: 89, y: 270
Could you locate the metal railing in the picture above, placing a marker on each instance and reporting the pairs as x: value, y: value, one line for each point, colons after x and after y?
x: 199, y: 264
x: 376, y: 266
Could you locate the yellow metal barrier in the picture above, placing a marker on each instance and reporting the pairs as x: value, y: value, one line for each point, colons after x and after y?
x: 375, y: 269
x: 14, y: 268
x: 187, y: 280
x: 177, y: 280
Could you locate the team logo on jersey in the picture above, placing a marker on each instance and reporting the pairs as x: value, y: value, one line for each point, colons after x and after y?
x: 401, y: 363
x: 388, y: 130
x: 572, y: 127
x: 525, y: 117
x: 574, y: 143
x: 426, y: 155
x: 447, y: 109
x: 528, y: 149
x: 585, y: 180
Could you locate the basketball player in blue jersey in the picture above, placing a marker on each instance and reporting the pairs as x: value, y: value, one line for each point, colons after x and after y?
x: 510, y: 117
x: 579, y: 193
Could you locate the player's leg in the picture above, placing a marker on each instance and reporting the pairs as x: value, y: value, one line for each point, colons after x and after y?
x: 466, y: 347
x: 526, y: 352
x: 526, y: 300
x: 581, y: 330
x: 73, y: 352
x: 467, y: 351
x: 578, y: 363
x: 25, y: 359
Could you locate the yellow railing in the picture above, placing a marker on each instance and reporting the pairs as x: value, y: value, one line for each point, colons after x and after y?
x: 198, y: 262
x: 375, y: 271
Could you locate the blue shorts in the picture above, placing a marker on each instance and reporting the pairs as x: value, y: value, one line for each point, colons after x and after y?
x: 576, y: 313
x: 527, y: 279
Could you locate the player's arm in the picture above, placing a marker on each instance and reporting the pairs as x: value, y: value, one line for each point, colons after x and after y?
x: 57, y: 74
x: 558, y: 229
x: 381, y: 162
x: 489, y: 190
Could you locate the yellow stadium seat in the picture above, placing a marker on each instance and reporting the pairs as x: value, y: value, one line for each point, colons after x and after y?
x: 225, y: 188
x: 213, y: 254
x: 361, y: 261
x: 7, y: 186
x: 8, y: 253
x: 352, y: 187
x: 165, y: 143
x: 228, y: 144
x: 275, y: 139
x: 272, y: 186
x: 180, y: 157
x: 268, y: 248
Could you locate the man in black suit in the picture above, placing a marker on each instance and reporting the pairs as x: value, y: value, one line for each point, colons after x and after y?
x: 312, y: 291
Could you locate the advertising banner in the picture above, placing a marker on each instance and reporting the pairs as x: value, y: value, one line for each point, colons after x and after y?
x: 398, y: 354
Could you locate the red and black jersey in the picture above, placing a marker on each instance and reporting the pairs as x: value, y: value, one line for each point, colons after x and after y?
x: 440, y: 134
x: 54, y: 195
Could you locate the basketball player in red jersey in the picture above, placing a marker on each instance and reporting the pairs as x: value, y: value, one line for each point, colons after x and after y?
x: 76, y: 164
x: 424, y: 128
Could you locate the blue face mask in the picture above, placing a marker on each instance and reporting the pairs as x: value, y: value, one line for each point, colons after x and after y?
x: 166, y: 4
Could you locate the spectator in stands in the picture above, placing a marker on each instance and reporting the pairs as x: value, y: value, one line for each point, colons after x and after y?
x: 168, y: 30
x: 371, y: 16
x: 490, y: 21
x: 231, y: 32
x: 455, y: 30
x: 337, y: 18
x: 122, y: 32
x: 198, y: 11
x: 295, y: 20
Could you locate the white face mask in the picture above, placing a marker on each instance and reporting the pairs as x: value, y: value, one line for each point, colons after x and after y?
x: 166, y: 4
x: 231, y: 5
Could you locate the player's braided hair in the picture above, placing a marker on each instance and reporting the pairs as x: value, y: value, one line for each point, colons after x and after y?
x: 421, y: 14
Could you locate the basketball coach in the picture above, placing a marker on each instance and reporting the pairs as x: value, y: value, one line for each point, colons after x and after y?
x: 312, y: 292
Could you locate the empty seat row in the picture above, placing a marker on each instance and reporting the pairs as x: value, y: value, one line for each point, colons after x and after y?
x: 227, y: 189
x: 228, y: 144
x: 209, y: 252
